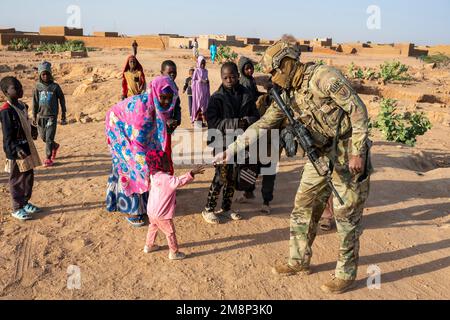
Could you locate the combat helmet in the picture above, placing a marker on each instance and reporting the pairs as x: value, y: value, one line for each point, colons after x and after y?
x: 273, y: 56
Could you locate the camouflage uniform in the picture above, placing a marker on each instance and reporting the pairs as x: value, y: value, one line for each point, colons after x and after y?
x: 323, y: 100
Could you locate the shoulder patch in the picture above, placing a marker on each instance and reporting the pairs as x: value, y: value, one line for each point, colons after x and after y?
x: 339, y: 88
x: 335, y: 86
x: 4, y: 107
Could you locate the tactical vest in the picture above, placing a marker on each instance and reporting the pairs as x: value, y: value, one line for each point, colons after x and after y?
x: 318, y: 111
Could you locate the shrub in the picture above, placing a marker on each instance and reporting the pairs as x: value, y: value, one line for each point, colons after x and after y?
x: 258, y: 68
x: 75, y: 45
x: 358, y: 73
x: 20, y: 44
x: 394, y: 71
x: 403, y: 128
x: 225, y: 54
x: 440, y: 59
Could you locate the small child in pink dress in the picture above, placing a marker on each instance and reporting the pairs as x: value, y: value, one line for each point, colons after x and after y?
x: 162, y: 203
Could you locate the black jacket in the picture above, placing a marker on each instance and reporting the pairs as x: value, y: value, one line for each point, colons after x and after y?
x: 14, y: 138
x: 248, y: 82
x: 231, y: 110
x: 46, y: 100
x: 188, y: 86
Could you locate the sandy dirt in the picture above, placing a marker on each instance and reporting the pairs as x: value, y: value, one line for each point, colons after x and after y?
x: 406, y: 222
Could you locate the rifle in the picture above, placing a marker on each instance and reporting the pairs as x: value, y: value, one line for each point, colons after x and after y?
x: 305, y: 140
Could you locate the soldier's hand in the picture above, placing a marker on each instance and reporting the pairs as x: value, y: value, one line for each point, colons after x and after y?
x: 222, y: 158
x: 356, y: 165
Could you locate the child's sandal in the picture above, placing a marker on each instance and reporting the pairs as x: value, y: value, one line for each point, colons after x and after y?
x: 22, y: 215
x: 31, y: 209
x: 136, y: 221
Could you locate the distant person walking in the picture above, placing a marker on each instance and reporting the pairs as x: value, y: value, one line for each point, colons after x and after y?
x: 213, y: 51
x: 195, y: 51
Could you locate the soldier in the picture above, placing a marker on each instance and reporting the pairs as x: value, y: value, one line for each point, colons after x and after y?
x: 324, y: 101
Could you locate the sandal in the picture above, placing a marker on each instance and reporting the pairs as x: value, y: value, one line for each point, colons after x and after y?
x: 325, y: 224
x: 136, y: 221
x: 230, y: 214
x: 31, y: 208
x: 22, y: 215
x: 210, y: 217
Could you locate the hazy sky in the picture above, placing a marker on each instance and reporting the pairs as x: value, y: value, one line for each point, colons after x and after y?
x: 418, y: 21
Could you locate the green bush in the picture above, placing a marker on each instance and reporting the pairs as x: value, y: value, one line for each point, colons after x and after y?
x: 394, y: 71
x: 225, y: 54
x: 403, y: 128
x: 358, y: 73
x: 258, y: 68
x: 20, y: 44
x: 75, y: 45
x: 440, y: 59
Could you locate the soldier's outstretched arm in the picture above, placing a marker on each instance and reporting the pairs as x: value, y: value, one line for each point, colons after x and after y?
x: 334, y: 84
x: 272, y: 119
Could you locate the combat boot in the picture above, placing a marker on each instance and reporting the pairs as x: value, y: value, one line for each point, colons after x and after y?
x: 285, y: 269
x: 337, y: 286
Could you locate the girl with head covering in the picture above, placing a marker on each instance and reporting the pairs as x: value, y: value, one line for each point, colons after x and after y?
x: 135, y: 127
x: 200, y: 91
x: 133, y: 78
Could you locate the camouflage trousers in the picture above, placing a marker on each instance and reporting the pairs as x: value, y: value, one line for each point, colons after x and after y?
x: 310, y: 202
x: 224, y: 178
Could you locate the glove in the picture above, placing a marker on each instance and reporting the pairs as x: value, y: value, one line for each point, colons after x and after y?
x: 288, y: 142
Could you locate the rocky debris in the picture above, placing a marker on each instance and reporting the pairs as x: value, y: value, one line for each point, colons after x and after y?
x: 83, y: 118
x: 4, y: 68
x: 430, y: 66
x: 419, y: 76
x: 84, y: 88
x: 76, y: 54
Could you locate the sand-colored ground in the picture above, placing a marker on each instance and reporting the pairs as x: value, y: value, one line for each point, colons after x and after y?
x: 407, y: 224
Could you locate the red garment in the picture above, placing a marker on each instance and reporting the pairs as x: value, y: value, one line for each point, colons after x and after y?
x: 127, y: 68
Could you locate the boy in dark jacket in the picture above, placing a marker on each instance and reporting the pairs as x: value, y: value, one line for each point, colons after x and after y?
x: 247, y: 69
x: 230, y: 108
x: 47, y: 97
x: 21, y: 154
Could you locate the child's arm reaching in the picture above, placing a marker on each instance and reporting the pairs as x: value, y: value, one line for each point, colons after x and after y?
x: 179, y: 182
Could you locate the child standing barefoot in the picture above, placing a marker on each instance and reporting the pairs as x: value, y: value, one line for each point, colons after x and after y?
x: 162, y: 202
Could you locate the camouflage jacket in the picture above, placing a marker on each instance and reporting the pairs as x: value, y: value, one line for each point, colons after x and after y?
x: 318, y: 101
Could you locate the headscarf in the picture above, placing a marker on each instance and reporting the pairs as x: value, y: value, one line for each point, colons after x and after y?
x: 136, y: 126
x: 127, y: 65
x: 126, y: 68
x: 200, y: 91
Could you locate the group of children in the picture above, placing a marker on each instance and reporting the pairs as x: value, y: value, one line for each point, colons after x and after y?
x: 19, y: 133
x: 232, y: 106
